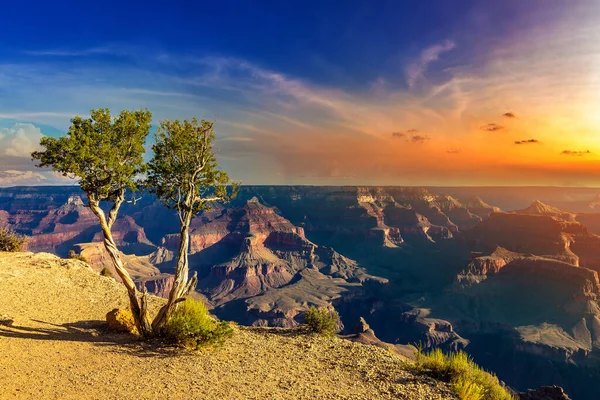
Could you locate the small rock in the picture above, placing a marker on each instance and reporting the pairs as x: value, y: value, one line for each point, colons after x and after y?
x: 6, y: 320
x: 121, y: 321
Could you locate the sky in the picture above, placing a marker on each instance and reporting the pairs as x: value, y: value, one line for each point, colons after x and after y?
x: 411, y: 92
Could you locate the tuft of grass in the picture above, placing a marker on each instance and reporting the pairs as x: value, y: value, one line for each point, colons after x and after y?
x: 11, y: 241
x: 192, y: 326
x: 322, y: 321
x: 468, y: 380
x: 106, y: 272
x: 75, y: 256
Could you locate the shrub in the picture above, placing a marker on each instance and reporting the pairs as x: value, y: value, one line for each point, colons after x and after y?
x: 106, y: 272
x: 11, y: 241
x: 192, y: 326
x: 79, y: 257
x: 467, y: 379
x: 322, y: 321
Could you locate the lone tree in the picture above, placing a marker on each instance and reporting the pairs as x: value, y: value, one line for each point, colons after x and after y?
x: 184, y: 174
x: 105, y: 154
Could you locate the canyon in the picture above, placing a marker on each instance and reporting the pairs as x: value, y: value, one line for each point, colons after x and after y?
x: 439, y: 267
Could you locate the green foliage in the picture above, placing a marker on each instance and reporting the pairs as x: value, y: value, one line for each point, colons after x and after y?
x: 183, y: 172
x: 322, y: 321
x: 11, y: 241
x: 106, y: 272
x: 467, y: 379
x: 192, y: 326
x: 103, y: 152
x: 75, y: 256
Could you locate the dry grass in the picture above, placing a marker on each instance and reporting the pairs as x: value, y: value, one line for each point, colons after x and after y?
x: 467, y: 379
x: 193, y: 327
x: 11, y: 241
x: 322, y: 321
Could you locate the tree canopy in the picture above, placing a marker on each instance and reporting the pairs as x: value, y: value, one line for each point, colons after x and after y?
x: 183, y: 172
x: 105, y: 154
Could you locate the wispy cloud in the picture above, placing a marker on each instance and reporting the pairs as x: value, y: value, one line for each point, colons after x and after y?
x: 528, y: 141
x: 576, y: 152
x: 73, y: 52
x: 19, y: 115
x: 14, y: 177
x: 492, y: 127
x: 419, y: 138
x: 416, y: 70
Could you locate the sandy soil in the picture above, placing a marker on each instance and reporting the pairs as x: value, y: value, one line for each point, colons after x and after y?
x: 58, y: 348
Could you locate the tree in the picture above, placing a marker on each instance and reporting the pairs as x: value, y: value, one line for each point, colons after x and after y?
x: 184, y: 174
x: 106, y: 155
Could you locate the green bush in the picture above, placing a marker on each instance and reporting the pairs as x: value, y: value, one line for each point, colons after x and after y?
x: 192, y: 326
x: 467, y: 379
x: 106, y: 272
x: 79, y: 257
x: 322, y: 321
x: 11, y: 241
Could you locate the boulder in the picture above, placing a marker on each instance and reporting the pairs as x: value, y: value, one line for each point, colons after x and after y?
x: 544, y: 393
x: 121, y: 321
x: 361, y: 326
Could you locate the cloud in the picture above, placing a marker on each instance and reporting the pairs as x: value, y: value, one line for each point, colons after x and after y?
x: 419, y: 138
x: 526, y: 141
x: 16, y: 168
x: 19, y: 140
x: 509, y: 115
x: 236, y: 139
x: 411, y: 135
x: 575, y: 152
x: 407, y: 133
x: 12, y: 177
x: 36, y: 114
x: 416, y: 70
x: 73, y: 53
x: 453, y: 151
x: 492, y: 127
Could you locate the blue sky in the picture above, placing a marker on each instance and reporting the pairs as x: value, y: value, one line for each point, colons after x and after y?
x: 312, y: 92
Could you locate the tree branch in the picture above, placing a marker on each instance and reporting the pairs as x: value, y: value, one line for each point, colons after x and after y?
x: 112, y: 214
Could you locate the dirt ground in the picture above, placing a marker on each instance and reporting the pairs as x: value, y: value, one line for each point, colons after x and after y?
x: 58, y: 347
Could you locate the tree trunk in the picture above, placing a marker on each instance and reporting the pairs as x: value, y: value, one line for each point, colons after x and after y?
x: 181, y: 286
x: 139, y: 314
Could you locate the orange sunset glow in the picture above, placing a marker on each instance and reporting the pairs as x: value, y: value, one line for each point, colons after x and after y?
x: 498, y: 95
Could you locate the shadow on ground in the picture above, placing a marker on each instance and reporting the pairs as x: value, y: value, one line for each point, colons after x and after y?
x: 95, y: 332
x: 287, y: 332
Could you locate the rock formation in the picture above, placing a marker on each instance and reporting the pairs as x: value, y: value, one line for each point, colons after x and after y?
x: 157, y: 285
x: 361, y: 332
x: 539, y: 208
x: 544, y: 393
x: 139, y: 267
x: 253, y: 253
